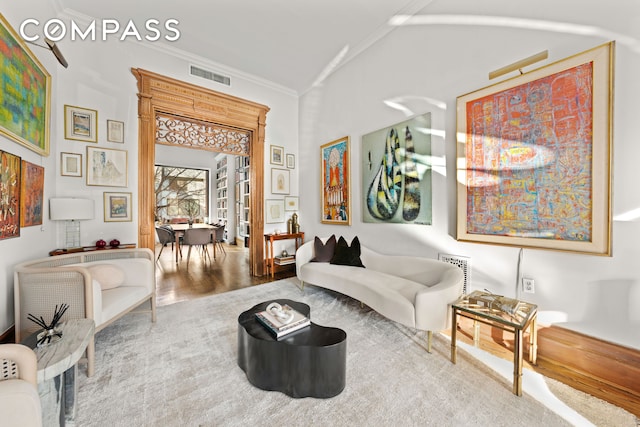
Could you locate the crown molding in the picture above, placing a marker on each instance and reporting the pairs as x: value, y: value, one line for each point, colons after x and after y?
x: 188, y: 57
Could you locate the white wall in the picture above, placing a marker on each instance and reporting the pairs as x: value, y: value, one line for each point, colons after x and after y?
x: 35, y: 241
x: 99, y: 77
x: 425, y: 68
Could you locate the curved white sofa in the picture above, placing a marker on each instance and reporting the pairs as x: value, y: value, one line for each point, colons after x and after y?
x: 416, y: 292
x: 41, y: 284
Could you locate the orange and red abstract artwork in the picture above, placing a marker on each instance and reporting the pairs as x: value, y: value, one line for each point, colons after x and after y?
x: 529, y: 155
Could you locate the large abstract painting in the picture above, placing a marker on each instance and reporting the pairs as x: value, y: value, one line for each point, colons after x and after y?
x: 534, y: 157
x: 396, y: 173
x: 336, y: 182
x: 31, y: 194
x: 9, y: 195
x: 25, y: 87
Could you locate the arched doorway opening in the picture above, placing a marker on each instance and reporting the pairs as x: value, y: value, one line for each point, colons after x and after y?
x: 160, y: 96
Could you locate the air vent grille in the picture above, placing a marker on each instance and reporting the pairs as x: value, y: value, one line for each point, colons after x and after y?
x: 209, y: 75
x: 463, y: 262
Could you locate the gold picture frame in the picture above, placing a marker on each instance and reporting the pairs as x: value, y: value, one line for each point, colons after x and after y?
x: 335, y: 166
x: 27, y: 83
x: 117, y: 207
x: 115, y: 131
x: 80, y: 124
x: 106, y: 167
x: 274, y: 211
x: 534, y: 157
x: 71, y: 164
x: 280, y: 181
x: 276, y: 155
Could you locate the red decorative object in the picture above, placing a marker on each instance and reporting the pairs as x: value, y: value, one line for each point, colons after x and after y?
x: 101, y: 244
x: 114, y: 243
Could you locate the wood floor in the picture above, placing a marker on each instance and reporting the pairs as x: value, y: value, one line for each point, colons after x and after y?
x: 229, y: 271
x: 179, y: 282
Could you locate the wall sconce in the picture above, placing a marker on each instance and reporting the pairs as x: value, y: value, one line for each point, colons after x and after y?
x: 54, y: 49
x: 72, y: 211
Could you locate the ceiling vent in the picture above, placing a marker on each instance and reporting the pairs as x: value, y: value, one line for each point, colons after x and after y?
x: 209, y: 75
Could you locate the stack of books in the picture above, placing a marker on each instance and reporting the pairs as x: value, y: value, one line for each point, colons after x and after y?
x: 498, y: 302
x: 280, y: 329
x: 284, y: 260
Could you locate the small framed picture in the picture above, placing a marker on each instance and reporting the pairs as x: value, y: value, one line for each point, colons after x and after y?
x: 115, y: 131
x: 106, y: 167
x: 280, y: 181
x: 291, y: 203
x: 291, y: 161
x: 277, y: 155
x: 80, y: 124
x: 274, y: 210
x: 117, y: 207
x: 70, y: 164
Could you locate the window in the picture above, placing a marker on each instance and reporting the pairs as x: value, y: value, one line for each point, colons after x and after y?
x: 181, y: 193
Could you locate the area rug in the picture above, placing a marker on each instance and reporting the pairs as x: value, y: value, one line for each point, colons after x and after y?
x: 182, y: 371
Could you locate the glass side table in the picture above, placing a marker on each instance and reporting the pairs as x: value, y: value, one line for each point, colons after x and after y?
x: 473, y: 307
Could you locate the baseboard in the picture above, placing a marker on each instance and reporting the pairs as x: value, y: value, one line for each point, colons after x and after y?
x: 8, y: 336
x: 606, y: 370
x: 602, y: 369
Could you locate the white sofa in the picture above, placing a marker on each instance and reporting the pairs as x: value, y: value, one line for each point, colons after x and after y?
x: 416, y: 292
x: 40, y: 285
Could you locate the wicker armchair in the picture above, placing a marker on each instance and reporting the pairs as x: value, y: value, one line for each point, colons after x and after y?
x: 19, y: 400
x: 41, y: 284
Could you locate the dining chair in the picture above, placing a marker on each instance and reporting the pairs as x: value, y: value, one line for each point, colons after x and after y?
x: 197, y: 237
x: 165, y: 235
x: 219, y: 238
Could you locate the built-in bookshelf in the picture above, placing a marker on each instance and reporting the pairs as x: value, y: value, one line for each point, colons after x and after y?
x: 222, y: 189
x: 242, y: 188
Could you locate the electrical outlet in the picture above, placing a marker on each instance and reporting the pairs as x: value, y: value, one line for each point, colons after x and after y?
x: 528, y: 285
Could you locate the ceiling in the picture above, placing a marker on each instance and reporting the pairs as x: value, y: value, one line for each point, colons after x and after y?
x: 287, y: 42
x: 295, y: 43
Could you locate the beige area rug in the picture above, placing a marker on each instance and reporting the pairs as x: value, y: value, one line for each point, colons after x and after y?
x: 182, y: 371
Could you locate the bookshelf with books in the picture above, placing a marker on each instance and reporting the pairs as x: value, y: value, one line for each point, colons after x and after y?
x: 242, y: 196
x: 222, y: 193
x: 225, y: 190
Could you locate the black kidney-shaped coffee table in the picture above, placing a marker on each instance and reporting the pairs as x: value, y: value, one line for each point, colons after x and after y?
x: 308, y: 363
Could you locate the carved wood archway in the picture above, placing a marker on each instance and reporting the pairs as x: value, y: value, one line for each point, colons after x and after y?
x: 160, y: 95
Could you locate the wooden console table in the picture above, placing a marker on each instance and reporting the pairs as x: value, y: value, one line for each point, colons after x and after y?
x: 268, y: 248
x: 89, y: 249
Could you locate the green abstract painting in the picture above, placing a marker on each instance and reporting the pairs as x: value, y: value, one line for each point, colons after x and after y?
x: 24, y: 93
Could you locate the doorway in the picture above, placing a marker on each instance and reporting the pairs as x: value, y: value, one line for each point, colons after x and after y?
x: 210, y: 114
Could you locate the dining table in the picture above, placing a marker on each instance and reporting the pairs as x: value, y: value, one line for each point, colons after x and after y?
x: 179, y: 230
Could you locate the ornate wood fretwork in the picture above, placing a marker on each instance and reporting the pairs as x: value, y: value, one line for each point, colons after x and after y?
x: 163, y: 96
x: 172, y: 130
